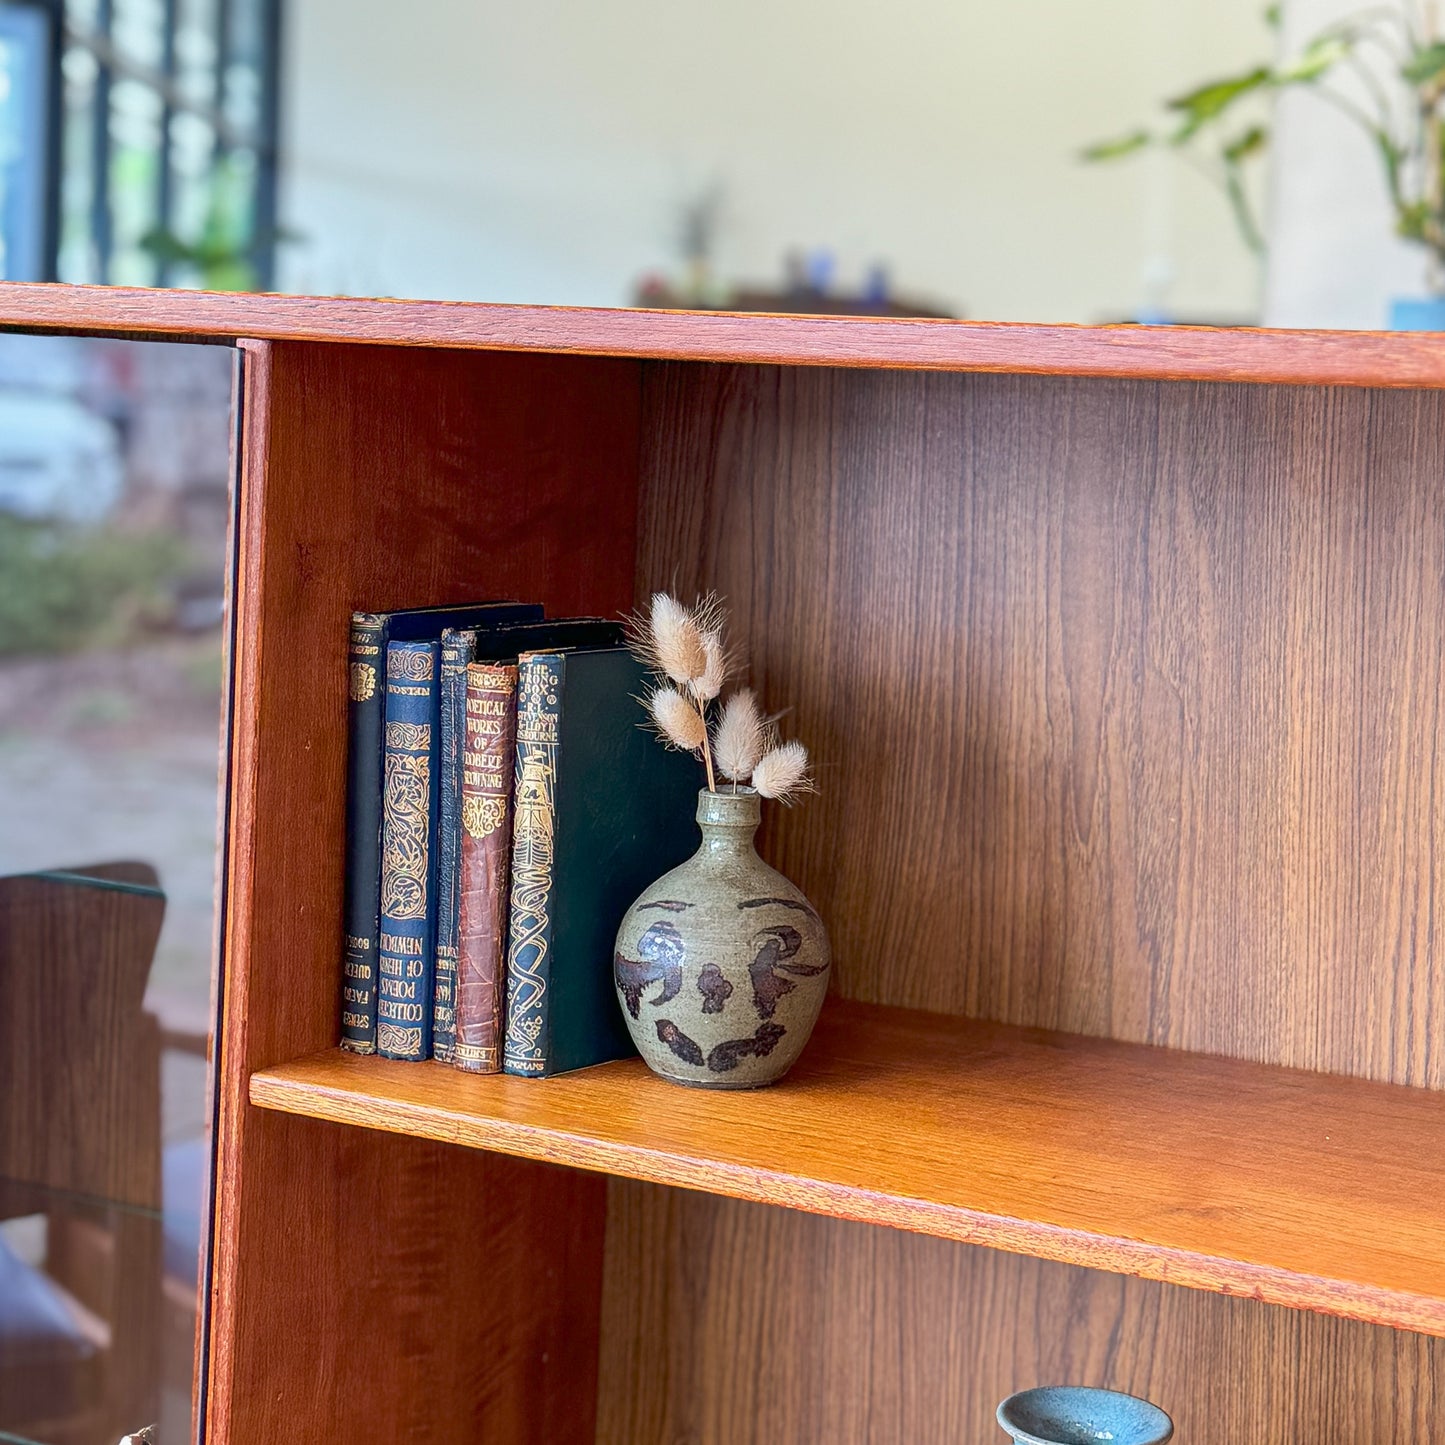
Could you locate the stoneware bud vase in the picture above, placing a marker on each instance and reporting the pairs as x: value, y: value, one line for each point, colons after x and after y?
x: 1078, y: 1415
x: 722, y: 964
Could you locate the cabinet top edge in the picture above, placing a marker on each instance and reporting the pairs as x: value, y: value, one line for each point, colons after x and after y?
x: 1165, y: 353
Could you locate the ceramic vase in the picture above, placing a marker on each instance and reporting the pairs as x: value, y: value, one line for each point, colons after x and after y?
x: 722, y: 964
x: 1077, y: 1415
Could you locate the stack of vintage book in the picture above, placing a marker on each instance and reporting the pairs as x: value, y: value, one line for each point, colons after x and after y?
x: 504, y: 808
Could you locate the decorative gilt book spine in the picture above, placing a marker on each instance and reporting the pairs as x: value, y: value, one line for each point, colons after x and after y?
x: 488, y: 762
x: 457, y: 647
x: 366, y: 661
x: 408, y: 898
x: 539, y: 697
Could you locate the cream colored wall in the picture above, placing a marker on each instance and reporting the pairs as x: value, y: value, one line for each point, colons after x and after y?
x: 1334, y: 257
x: 541, y: 150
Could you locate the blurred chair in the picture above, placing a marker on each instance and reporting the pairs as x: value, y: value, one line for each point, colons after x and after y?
x: 80, y: 1143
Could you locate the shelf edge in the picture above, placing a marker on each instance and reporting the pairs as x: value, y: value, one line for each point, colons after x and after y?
x: 1163, y: 353
x: 278, y: 1090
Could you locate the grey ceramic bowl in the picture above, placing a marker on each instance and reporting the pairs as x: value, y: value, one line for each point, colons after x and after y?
x: 1077, y: 1415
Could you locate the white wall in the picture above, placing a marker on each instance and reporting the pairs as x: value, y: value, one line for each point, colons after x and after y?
x: 541, y: 150
x: 1334, y: 258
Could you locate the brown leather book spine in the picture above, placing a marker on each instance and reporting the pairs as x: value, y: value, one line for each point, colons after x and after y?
x: 489, y: 748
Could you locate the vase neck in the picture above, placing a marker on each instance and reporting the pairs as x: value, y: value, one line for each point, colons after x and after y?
x: 728, y: 821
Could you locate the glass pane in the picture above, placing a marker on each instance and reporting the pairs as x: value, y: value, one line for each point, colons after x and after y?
x: 78, y: 260
x: 24, y: 40
x: 196, y: 56
x: 113, y: 514
x: 135, y: 160
x: 138, y: 31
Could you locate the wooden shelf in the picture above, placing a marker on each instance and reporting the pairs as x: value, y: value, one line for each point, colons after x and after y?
x: 1180, y: 353
x: 1302, y: 1189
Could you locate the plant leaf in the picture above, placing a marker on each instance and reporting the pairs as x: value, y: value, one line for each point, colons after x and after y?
x: 1317, y: 57
x: 1425, y: 64
x: 1214, y: 96
x: 1273, y: 16
x: 1410, y: 220
x: 1110, y: 150
x: 1253, y: 140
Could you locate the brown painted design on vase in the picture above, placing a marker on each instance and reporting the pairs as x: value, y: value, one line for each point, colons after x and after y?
x: 740, y: 944
x: 714, y: 988
x: 685, y: 1048
x: 662, y: 951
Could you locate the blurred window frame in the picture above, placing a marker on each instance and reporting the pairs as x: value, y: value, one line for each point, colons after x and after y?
x: 29, y: 189
x: 84, y: 243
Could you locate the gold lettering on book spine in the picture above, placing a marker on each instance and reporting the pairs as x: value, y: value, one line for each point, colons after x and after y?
x: 533, y: 831
x: 406, y: 813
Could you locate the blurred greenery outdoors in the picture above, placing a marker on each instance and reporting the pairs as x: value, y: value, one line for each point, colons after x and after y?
x: 67, y: 587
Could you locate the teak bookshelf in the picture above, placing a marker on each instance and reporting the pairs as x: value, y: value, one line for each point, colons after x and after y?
x: 1120, y: 652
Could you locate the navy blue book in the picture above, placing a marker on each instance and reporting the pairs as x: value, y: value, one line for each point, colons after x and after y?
x: 366, y: 662
x: 370, y: 632
x: 408, y: 821
x: 457, y: 647
x: 600, y: 810
x: 501, y: 643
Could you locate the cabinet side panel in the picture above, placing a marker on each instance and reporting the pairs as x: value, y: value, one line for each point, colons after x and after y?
x: 373, y: 478
x: 390, y: 1288
x: 1127, y: 698
x: 741, y: 1324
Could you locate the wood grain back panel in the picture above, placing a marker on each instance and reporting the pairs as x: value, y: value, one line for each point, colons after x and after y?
x: 1126, y: 697
x: 742, y: 1324
x: 379, y: 479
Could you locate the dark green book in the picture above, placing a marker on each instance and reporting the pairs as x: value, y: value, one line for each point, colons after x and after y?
x: 600, y: 810
x: 459, y: 647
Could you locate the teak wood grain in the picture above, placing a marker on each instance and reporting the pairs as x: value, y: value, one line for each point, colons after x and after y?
x: 1126, y: 695
x: 1184, y: 353
x: 1127, y: 699
x: 727, y: 1323
x: 1301, y: 1189
x: 364, y: 1288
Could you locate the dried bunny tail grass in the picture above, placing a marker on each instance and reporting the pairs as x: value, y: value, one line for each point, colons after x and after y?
x: 677, y: 640
x: 782, y: 772
x: 710, y: 614
x: 740, y: 737
x: 677, y: 721
x: 665, y: 640
x: 707, y: 687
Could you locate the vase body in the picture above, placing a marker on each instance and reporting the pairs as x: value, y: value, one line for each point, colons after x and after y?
x: 1079, y: 1415
x: 721, y: 965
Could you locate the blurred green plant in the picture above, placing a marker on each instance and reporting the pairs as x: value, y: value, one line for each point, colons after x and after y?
x: 222, y: 256
x: 63, y: 587
x: 1393, y: 70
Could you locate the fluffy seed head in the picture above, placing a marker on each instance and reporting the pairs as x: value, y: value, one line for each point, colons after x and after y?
x: 715, y: 673
x: 782, y: 772
x: 740, y: 737
x: 677, y: 721
x: 677, y: 641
